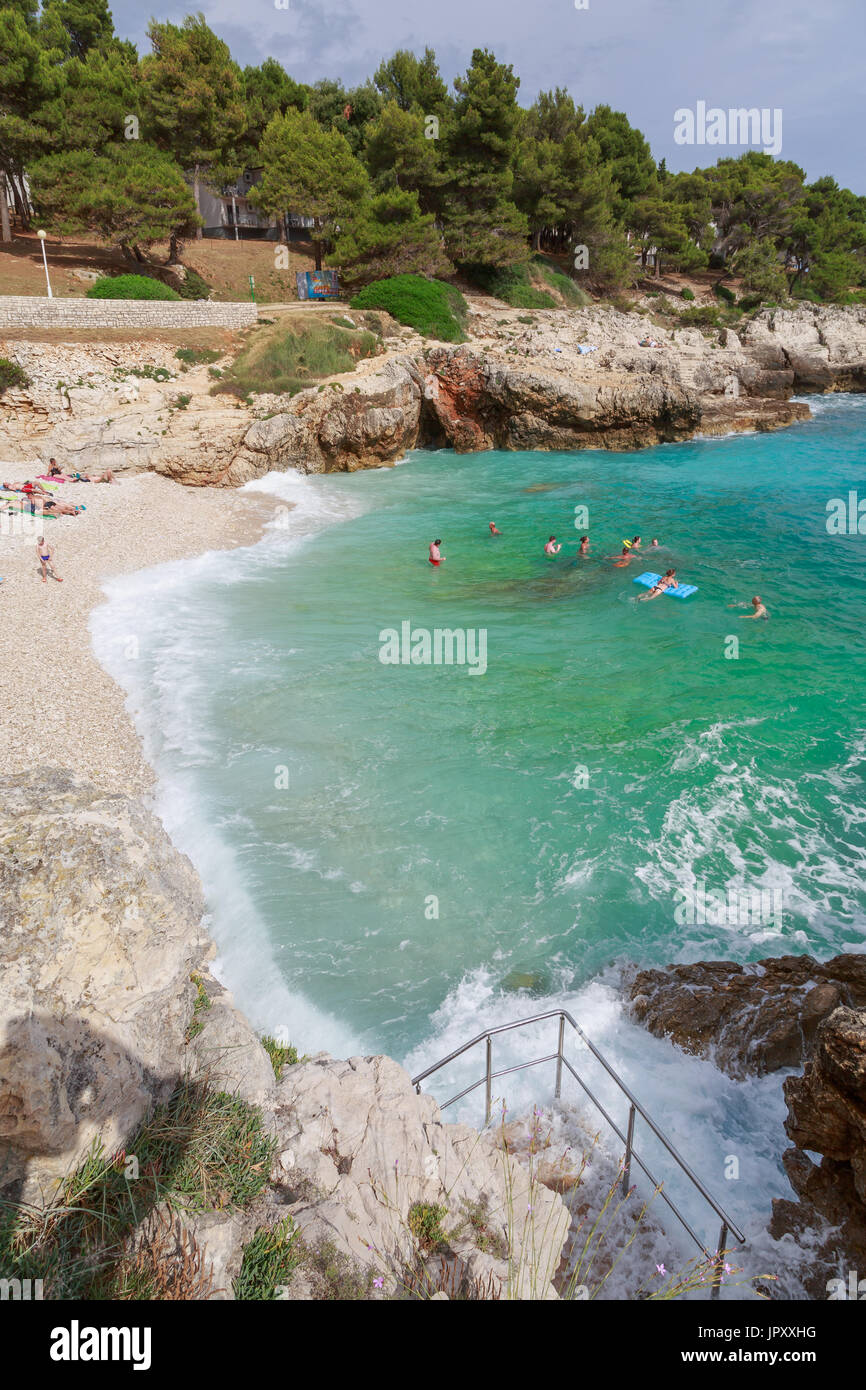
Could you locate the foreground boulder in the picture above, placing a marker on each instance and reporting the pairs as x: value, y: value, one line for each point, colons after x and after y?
x: 750, y: 1019
x: 101, y: 938
x: 362, y: 1159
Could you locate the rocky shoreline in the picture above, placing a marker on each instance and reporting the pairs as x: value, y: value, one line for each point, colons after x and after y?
x: 520, y: 382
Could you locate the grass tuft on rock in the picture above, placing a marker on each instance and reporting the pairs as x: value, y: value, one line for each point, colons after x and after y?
x: 200, y: 1151
x: 281, y: 1055
x: 284, y: 359
x: 11, y: 375
x: 270, y: 1259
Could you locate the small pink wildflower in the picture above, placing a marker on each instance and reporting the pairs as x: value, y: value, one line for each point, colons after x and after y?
x: 660, y: 1269
x: 378, y: 1283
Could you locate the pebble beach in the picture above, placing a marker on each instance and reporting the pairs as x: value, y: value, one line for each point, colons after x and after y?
x: 57, y: 705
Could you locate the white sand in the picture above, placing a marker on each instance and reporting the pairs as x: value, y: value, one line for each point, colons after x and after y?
x: 57, y: 706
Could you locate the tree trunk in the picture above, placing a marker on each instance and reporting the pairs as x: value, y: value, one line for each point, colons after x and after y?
x: 5, y: 227
x: 173, y: 250
x: 21, y: 204
x: 198, y: 230
x: 317, y: 251
x: 536, y: 240
x: 658, y: 264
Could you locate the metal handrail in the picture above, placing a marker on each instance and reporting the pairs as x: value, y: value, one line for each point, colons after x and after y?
x: 728, y: 1227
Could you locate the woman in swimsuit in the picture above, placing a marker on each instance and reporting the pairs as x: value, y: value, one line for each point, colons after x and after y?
x: 667, y: 581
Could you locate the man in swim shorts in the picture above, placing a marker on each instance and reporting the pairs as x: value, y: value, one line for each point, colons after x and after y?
x: 552, y: 548
x: 436, y: 557
x: 624, y: 558
x: 46, y: 560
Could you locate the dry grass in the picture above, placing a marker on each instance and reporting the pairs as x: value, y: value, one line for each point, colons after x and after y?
x: 225, y: 265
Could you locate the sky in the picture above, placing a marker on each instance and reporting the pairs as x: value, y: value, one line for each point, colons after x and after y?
x: 649, y: 58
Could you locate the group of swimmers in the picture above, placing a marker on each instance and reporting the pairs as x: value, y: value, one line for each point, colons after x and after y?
x: 629, y: 550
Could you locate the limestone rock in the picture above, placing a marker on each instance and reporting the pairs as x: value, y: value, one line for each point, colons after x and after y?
x: 100, y: 934
x: 358, y: 1148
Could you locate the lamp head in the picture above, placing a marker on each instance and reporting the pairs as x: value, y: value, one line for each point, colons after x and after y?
x: 41, y: 235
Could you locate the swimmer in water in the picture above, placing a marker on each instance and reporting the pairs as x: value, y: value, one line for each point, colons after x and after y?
x: 654, y: 545
x: 635, y: 543
x: 494, y: 531
x: 584, y: 545
x: 624, y: 558
x: 757, y: 604
x: 552, y: 548
x: 436, y: 557
x: 667, y: 581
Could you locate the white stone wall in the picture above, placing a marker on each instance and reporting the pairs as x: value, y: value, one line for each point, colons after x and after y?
x: 37, y: 311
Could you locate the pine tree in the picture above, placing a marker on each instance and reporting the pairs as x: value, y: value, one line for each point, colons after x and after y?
x: 482, y: 224
x: 131, y: 194
x: 388, y: 235
x: 399, y: 154
x: 309, y: 170
x: 413, y: 83
x: 193, y: 100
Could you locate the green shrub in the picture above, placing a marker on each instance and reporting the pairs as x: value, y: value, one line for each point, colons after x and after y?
x: 722, y: 292
x: 11, y: 375
x: 182, y: 401
x: 425, y: 1223
x: 192, y: 286
x: 295, y: 356
x: 704, y: 317
x: 280, y: 1055
x: 197, y: 357
x: 270, y: 1259
x: 687, y: 293
x: 131, y: 287
x: 565, y: 287
x: 430, y: 307
x: 512, y: 286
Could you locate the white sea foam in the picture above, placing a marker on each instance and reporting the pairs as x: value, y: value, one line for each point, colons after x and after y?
x: 165, y: 682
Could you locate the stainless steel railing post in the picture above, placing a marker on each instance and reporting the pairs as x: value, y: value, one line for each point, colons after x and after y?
x: 626, y: 1172
x: 720, y: 1260
x: 559, y: 1046
x: 488, y: 1082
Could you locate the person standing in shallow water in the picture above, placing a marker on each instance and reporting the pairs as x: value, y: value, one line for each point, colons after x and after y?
x: 552, y: 548
x: 494, y: 530
x: 436, y: 557
x: 583, y: 548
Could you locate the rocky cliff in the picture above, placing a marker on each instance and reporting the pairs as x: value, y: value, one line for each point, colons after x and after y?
x: 781, y: 1013
x: 521, y: 382
x: 751, y: 1019
x: 107, y: 1006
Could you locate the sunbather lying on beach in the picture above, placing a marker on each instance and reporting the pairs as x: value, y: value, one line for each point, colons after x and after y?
x: 58, y: 508
x: 56, y: 473
x: 667, y: 581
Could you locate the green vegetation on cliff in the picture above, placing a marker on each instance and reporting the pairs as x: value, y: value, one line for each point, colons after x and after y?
x: 430, y: 307
x: 288, y: 357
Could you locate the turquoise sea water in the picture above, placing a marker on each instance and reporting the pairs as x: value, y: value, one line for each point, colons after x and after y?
x: 610, y: 755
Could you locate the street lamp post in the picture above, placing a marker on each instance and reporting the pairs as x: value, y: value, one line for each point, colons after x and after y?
x: 42, y: 235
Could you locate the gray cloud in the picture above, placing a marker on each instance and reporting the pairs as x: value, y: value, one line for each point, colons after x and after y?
x: 644, y: 57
